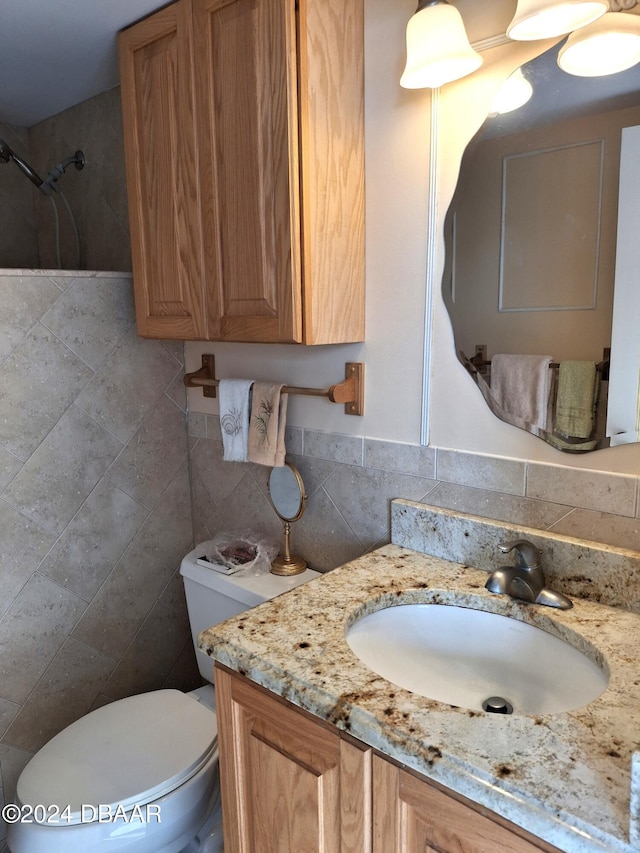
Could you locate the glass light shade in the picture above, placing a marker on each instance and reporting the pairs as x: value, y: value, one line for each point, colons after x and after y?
x: 514, y: 93
x: 438, y: 50
x: 541, y: 19
x: 609, y: 45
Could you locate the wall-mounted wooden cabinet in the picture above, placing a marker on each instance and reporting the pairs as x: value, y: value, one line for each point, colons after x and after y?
x: 291, y: 782
x: 244, y: 143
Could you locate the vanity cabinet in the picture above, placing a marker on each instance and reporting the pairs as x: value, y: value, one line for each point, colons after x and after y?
x: 244, y: 143
x: 291, y: 782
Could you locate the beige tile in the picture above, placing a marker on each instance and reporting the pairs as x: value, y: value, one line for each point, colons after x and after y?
x: 133, y: 586
x: 496, y: 505
x: 293, y: 440
x: 184, y: 674
x: 595, y: 490
x: 323, y: 537
x: 65, y: 468
x: 151, y: 458
x: 8, y: 711
x: 23, y: 300
x: 404, y: 458
x: 23, y: 545
x: 363, y: 495
x: 247, y: 508
x: 197, y: 424
x: 486, y: 472
x: 211, y: 475
x: 63, y: 694
x: 177, y: 392
x: 334, y: 447
x: 128, y: 385
x: 9, y: 467
x: 38, y: 382
x: 153, y: 653
x: 13, y: 762
x: 600, y: 527
x: 31, y: 632
x: 92, y: 316
x: 94, y: 540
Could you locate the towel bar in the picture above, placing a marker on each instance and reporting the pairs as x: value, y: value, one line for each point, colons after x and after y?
x: 350, y: 391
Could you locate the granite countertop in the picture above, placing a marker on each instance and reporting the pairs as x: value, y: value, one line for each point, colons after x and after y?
x: 570, y: 778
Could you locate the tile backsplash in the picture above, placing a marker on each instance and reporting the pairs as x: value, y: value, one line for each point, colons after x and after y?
x: 94, y: 508
x: 351, y: 481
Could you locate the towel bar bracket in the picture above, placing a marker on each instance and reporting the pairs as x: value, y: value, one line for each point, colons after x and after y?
x: 350, y: 392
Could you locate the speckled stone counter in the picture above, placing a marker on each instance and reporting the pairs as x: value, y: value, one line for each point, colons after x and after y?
x: 567, y: 778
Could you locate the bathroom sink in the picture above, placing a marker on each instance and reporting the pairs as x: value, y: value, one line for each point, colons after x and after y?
x: 465, y: 657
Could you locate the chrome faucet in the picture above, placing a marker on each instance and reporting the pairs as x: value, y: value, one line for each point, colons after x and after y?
x: 525, y: 580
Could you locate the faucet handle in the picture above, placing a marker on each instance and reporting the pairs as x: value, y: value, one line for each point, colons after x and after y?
x: 527, y: 555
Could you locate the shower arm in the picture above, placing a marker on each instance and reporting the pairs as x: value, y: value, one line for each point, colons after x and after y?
x: 49, y: 185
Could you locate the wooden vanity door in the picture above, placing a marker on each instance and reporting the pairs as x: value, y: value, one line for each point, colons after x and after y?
x: 411, y: 814
x: 289, y: 784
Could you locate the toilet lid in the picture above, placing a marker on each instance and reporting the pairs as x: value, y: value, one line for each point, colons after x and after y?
x: 128, y: 753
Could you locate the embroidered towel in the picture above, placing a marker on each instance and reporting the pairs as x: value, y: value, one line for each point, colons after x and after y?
x: 521, y: 386
x: 267, y: 425
x: 234, y: 417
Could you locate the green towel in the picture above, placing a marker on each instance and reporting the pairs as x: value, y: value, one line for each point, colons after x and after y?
x: 576, y: 399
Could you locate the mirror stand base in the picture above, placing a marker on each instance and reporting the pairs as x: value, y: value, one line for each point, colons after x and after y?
x: 283, y: 565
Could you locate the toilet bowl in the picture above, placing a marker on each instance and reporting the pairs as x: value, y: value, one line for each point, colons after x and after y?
x: 140, y: 775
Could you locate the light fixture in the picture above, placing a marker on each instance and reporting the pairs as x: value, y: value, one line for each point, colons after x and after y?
x: 514, y: 93
x: 541, y: 19
x: 438, y: 50
x: 609, y: 45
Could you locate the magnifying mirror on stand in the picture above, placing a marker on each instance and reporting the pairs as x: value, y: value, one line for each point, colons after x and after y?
x: 288, y: 498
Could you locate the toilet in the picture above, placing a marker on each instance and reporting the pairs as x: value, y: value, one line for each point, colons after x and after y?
x: 141, y: 774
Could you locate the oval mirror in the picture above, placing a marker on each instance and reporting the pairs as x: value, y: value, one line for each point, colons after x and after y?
x: 286, y: 491
x: 288, y: 498
x: 531, y: 281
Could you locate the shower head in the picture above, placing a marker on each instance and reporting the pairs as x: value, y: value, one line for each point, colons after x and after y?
x: 7, y: 154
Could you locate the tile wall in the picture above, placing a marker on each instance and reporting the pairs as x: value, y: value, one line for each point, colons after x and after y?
x: 350, y: 482
x: 94, y: 508
x: 96, y: 194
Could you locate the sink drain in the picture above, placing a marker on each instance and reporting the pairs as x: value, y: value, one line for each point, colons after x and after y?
x: 497, y: 705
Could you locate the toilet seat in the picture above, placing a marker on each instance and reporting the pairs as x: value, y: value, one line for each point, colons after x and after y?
x: 125, y: 754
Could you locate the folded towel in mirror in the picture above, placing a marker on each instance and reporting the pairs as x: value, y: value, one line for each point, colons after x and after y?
x: 576, y: 399
x: 235, y: 401
x: 521, y: 386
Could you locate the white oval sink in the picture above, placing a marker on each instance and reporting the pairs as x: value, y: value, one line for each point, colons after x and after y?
x: 464, y: 657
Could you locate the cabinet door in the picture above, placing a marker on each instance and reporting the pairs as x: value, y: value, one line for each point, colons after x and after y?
x: 162, y: 182
x: 289, y: 784
x: 248, y: 156
x: 411, y: 814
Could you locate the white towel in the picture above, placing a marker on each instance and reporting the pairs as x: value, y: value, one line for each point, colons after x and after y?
x: 521, y: 386
x: 235, y: 405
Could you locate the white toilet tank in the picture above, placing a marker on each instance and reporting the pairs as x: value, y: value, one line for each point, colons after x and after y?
x: 213, y: 597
